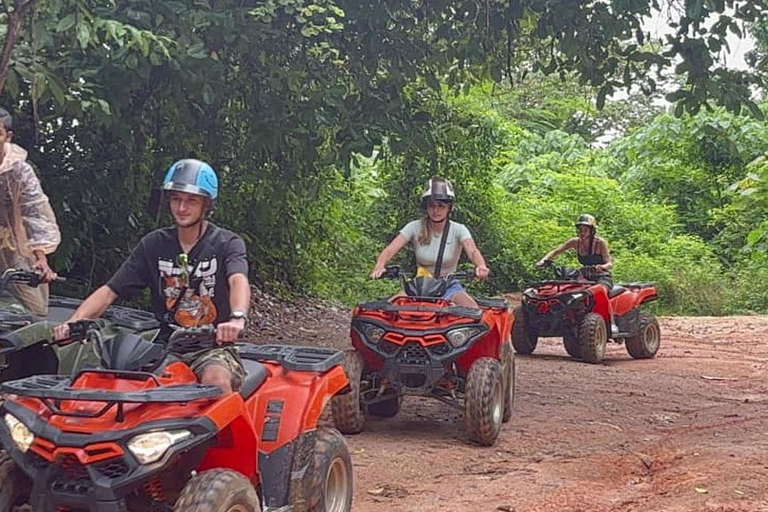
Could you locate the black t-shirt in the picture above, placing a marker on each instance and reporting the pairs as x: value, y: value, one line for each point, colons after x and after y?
x: 155, y: 264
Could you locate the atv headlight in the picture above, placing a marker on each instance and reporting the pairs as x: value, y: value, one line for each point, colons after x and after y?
x: 20, y: 434
x: 574, y: 297
x: 458, y: 337
x: 371, y: 332
x: 148, y: 448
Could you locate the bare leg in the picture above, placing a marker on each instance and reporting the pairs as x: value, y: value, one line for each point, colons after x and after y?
x: 463, y: 299
x: 217, y: 375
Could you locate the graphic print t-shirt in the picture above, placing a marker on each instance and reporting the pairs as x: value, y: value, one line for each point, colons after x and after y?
x: 203, y: 284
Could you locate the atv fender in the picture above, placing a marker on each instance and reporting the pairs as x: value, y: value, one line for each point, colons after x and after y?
x: 602, y: 305
x: 286, y: 410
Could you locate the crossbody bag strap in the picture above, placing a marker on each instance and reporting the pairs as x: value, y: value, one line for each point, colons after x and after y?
x: 441, y: 250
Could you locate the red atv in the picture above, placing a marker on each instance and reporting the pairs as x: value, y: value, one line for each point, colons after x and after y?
x: 423, y: 345
x: 575, y: 306
x: 144, y: 435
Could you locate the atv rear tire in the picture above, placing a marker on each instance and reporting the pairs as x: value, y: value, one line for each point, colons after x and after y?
x: 593, y: 337
x: 646, y: 343
x: 572, y: 346
x: 386, y: 408
x: 523, y: 338
x: 484, y: 401
x: 332, y: 475
x: 508, y: 363
x: 15, y: 487
x: 218, y: 490
x: 348, y: 410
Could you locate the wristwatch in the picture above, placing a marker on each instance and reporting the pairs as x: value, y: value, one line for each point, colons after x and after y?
x: 238, y: 315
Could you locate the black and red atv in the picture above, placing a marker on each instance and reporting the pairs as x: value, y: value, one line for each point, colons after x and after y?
x: 143, y: 435
x: 579, y: 309
x: 422, y: 345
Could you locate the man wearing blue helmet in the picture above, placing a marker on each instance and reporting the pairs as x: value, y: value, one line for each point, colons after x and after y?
x: 196, y: 273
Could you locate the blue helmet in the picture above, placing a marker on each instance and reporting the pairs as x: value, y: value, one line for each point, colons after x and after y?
x: 192, y: 176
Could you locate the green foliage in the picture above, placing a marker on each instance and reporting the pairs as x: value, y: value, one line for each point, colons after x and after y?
x: 747, y: 292
x: 690, y: 163
x: 324, y: 118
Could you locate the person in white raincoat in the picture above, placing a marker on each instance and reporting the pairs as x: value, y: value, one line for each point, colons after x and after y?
x: 28, y: 229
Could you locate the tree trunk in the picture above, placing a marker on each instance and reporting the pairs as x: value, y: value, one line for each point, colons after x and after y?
x: 20, y: 7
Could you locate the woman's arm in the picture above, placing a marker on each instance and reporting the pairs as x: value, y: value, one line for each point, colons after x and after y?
x: 476, y: 257
x: 387, y: 254
x: 569, y: 244
x: 602, y: 248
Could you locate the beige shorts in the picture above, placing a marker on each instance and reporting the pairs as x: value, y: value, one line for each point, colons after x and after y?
x: 35, y: 300
x: 225, y: 357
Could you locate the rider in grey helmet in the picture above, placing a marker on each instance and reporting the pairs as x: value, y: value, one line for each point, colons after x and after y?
x: 424, y: 235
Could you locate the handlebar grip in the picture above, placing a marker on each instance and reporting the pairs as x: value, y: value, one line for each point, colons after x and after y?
x: 391, y: 272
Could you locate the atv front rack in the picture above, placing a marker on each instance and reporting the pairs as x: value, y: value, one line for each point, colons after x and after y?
x: 383, y: 305
x: 296, y: 358
x: 51, y: 389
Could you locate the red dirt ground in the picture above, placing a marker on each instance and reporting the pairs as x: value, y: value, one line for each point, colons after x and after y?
x: 686, y: 431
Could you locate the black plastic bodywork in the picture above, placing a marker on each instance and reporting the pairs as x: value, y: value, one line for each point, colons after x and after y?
x: 104, y: 486
x: 414, y: 366
x: 293, y: 358
x: 556, y: 315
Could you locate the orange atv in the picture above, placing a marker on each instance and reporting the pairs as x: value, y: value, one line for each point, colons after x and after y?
x: 422, y: 345
x: 143, y: 435
x: 578, y: 308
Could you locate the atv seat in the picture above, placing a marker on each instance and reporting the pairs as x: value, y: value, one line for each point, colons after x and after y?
x: 616, y: 290
x: 255, y: 375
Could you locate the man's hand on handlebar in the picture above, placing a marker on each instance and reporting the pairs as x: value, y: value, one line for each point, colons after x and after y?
x: 482, y: 272
x: 46, y: 273
x: 228, y: 332
x: 61, y: 332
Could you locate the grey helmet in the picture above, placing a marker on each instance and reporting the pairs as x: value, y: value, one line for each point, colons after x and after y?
x: 438, y: 189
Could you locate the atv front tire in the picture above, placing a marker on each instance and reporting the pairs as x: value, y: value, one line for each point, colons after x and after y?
x: 15, y: 487
x: 347, y: 409
x: 332, y: 475
x: 593, y: 337
x: 218, y: 490
x: 386, y: 408
x: 508, y: 363
x: 484, y: 401
x: 646, y: 343
x: 523, y: 338
x: 572, y: 346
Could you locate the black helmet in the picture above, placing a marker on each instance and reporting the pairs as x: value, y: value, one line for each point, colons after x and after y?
x: 438, y: 189
x: 586, y: 219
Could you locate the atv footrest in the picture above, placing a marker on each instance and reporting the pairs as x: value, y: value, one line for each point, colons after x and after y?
x: 291, y: 357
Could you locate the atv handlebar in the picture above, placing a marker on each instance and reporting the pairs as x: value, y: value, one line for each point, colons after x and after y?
x: 585, y: 273
x: 182, y: 340
x: 395, y: 272
x: 28, y: 277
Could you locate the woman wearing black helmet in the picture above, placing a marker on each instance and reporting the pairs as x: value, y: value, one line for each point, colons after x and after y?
x: 591, y: 250
x: 425, y: 235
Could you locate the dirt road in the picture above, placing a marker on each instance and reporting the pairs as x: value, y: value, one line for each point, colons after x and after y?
x: 686, y: 431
